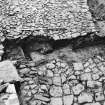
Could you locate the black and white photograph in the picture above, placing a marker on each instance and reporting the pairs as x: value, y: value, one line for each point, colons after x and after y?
x: 52, y: 52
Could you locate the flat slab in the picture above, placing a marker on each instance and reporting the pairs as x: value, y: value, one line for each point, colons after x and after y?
x: 8, y: 72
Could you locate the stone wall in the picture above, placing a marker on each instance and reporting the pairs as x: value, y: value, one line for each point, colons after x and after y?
x: 59, y: 19
x: 64, y: 76
x: 56, y: 82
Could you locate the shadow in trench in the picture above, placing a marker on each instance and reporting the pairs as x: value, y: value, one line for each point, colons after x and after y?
x: 46, y: 45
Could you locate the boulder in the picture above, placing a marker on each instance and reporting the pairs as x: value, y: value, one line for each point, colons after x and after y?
x: 8, y: 72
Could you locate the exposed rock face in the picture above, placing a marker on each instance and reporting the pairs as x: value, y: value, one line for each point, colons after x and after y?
x: 49, y: 80
x: 57, y: 19
x: 8, y: 72
x: 66, y: 84
x: 97, y: 9
x: 8, y: 77
x: 67, y: 76
x: 9, y: 96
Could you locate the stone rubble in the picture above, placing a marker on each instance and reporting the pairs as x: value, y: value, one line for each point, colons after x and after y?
x: 56, y: 19
x: 68, y: 100
x: 12, y: 100
x: 8, y: 78
x: 77, y: 89
x: 85, y: 98
x: 55, y: 82
x: 8, y: 71
x: 11, y: 89
x: 97, y: 8
x: 62, y: 86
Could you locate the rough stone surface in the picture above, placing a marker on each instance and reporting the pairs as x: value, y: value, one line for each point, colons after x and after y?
x: 8, y: 71
x: 68, y: 100
x: 11, y: 89
x: 97, y: 8
x: 8, y: 95
x: 78, y: 89
x: 57, y: 19
x: 56, y: 91
x: 99, y: 96
x: 85, y: 97
x: 62, y: 86
x: 12, y: 100
x: 74, y: 75
x: 78, y: 66
x: 57, y: 101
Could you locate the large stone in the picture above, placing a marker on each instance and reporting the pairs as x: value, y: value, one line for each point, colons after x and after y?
x: 1, y: 47
x: 1, y: 52
x: 24, y: 92
x: 14, y: 53
x: 12, y: 100
x: 85, y: 97
x: 31, y: 82
x: 68, y: 100
x: 56, y: 101
x: 3, y: 97
x: 11, y: 89
x: 66, y: 89
x: 57, y: 80
x: 78, y: 89
x: 27, y: 87
x: 24, y: 70
x: 94, y: 84
x: 63, y: 64
x: 44, y: 87
x: 49, y: 73
x: 8, y: 71
x: 55, y: 28
x: 86, y: 76
x: 78, y: 66
x: 104, y: 103
x: 50, y: 65
x: 56, y: 91
x: 36, y: 57
x: 99, y: 96
x: 87, y: 70
x: 95, y: 76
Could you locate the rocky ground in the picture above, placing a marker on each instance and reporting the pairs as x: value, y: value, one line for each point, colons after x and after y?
x: 62, y: 77
x: 57, y: 19
x: 52, y: 52
x: 58, y: 82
